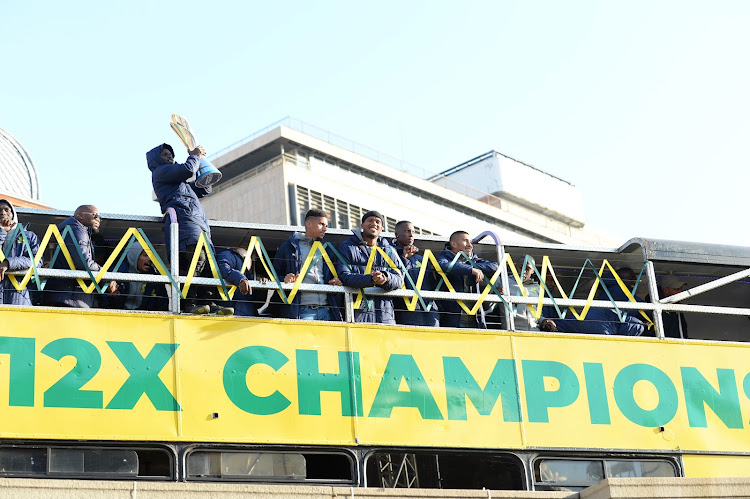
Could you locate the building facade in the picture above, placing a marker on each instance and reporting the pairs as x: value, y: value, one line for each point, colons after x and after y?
x: 277, y: 174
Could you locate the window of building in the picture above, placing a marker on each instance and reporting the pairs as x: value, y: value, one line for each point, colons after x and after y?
x: 341, y: 214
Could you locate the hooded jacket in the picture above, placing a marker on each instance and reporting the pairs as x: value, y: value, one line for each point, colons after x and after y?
x: 18, y: 258
x: 378, y: 309
x: 288, y: 260
x: 456, y: 275
x: 67, y: 292
x: 170, y: 182
x: 229, y: 262
x: 150, y: 296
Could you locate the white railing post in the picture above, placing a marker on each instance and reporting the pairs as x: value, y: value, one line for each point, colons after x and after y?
x: 654, y: 292
x: 174, y: 260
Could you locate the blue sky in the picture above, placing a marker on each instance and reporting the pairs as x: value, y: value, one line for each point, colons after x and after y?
x: 644, y: 105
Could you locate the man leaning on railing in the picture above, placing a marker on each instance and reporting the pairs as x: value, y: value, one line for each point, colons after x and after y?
x: 288, y: 262
x: 353, y: 271
x: 412, y: 262
x: 456, y: 261
x: 61, y: 292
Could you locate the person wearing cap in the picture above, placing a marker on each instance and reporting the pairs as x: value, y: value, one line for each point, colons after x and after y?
x: 352, y: 272
x: 675, y: 325
x: 65, y: 292
x: 288, y: 261
x: 173, y: 190
x: 16, y: 253
x: 465, y: 278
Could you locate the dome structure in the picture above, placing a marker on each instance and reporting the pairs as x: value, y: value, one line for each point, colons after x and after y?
x: 18, y: 175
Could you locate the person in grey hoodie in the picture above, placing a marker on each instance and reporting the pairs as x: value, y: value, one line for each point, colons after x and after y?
x: 307, y: 305
x: 17, y: 256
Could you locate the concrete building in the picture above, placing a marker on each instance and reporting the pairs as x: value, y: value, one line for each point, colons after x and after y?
x: 275, y: 175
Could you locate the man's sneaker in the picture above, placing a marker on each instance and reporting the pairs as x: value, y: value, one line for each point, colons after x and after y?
x: 198, y: 310
x: 218, y: 310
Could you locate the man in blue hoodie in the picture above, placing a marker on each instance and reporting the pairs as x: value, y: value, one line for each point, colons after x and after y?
x: 465, y: 278
x: 17, y: 256
x: 170, y: 181
x: 307, y: 305
x: 412, y: 261
x: 230, y: 262
x: 356, y: 252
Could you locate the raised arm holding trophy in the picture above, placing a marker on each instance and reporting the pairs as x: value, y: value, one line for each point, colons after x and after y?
x: 207, y: 173
x: 174, y: 189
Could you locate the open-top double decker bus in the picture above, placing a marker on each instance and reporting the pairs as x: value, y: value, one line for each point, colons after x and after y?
x: 165, y: 396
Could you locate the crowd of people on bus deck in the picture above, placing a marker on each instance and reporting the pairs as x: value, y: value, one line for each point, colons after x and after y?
x: 467, y: 272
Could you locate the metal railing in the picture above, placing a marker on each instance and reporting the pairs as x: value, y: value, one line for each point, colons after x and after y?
x: 352, y: 296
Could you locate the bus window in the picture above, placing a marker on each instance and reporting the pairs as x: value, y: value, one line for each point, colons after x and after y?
x: 444, y: 470
x: 639, y: 469
x: 120, y: 462
x: 84, y: 462
x: 577, y: 474
x: 269, y: 466
x: 23, y: 461
x: 570, y: 474
x: 277, y: 466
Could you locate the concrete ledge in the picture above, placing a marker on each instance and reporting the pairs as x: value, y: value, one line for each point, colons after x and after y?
x: 28, y: 488
x: 651, y: 488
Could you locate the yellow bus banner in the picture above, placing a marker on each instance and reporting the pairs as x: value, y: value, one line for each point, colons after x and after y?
x: 88, y: 375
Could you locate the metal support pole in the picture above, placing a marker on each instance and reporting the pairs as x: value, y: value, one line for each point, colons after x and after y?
x: 505, y: 288
x: 174, y: 265
x: 348, y: 307
x: 654, y: 292
x: 707, y: 287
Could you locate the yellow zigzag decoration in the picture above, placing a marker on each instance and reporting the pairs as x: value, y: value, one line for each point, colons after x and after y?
x: 317, y: 247
x: 202, y: 243
x: 592, y: 293
x: 255, y: 247
x: 368, y: 268
x: 53, y: 231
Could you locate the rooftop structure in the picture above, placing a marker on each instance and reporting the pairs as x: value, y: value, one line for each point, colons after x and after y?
x: 18, y: 177
x: 276, y: 174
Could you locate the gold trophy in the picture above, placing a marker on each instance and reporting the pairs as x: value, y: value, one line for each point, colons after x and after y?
x: 207, y: 173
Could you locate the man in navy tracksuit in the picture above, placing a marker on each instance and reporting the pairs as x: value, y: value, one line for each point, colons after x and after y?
x: 62, y: 292
x: 465, y: 278
x: 412, y: 261
x: 170, y: 181
x: 356, y: 252
x: 230, y: 262
x: 308, y: 305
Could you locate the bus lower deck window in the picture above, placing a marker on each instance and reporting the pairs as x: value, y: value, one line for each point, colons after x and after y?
x: 577, y: 474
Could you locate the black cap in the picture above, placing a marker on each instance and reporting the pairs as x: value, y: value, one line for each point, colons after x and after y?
x: 373, y: 213
x: 168, y: 147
